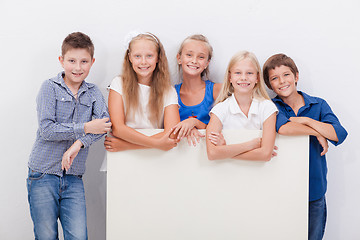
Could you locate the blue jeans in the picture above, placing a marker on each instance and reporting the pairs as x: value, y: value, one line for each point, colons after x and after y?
x: 317, y: 218
x: 51, y: 198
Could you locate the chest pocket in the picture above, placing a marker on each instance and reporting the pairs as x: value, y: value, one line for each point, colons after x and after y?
x: 65, y: 106
x: 86, y: 102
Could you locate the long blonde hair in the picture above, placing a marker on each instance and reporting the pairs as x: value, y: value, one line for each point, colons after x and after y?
x: 159, y: 86
x: 259, y: 91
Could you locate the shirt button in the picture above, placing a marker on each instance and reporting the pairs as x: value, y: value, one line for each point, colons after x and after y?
x: 62, y: 99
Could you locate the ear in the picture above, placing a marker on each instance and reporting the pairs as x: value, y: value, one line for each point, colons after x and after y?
x: 61, y: 60
x: 297, y: 77
x: 92, y: 61
x: 178, y: 57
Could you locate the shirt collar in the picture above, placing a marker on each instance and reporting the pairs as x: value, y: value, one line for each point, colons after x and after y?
x: 307, y: 99
x: 235, y: 108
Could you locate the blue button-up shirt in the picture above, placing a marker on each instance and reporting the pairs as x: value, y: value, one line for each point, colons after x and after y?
x: 317, y: 109
x: 61, y: 119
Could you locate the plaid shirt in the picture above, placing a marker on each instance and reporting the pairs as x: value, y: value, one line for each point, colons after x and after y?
x: 61, y: 120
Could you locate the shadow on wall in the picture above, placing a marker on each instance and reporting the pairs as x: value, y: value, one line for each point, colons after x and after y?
x: 95, y: 191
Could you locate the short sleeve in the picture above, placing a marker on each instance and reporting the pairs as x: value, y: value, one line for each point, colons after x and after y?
x: 171, y: 97
x: 268, y: 108
x: 219, y: 111
x: 116, y: 85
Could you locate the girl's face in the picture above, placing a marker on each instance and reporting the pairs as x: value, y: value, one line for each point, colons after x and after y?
x: 243, y: 76
x: 144, y: 57
x: 194, y: 57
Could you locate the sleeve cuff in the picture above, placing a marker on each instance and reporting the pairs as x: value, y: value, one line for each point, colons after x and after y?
x: 79, y: 130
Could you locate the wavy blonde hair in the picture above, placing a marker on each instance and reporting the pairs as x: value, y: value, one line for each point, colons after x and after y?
x: 159, y: 86
x: 259, y: 91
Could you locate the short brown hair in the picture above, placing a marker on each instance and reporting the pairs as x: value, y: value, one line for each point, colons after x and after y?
x: 77, y: 40
x: 278, y: 60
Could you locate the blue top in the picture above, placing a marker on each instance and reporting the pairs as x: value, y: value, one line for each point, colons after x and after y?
x: 61, y: 120
x: 201, y: 110
x: 317, y: 109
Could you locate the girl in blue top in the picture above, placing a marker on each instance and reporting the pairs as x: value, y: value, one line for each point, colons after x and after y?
x: 195, y: 95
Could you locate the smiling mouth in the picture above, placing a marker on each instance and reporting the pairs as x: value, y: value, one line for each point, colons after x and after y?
x: 243, y: 84
x: 77, y: 74
x: 143, y: 68
x: 193, y: 67
x: 284, y: 87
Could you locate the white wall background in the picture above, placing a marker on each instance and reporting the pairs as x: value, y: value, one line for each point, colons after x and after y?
x: 321, y: 36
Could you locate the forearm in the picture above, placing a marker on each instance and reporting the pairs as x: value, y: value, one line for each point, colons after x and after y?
x: 54, y: 131
x: 296, y: 129
x: 200, y: 125
x: 258, y: 154
x: 227, y: 151
x: 325, y: 129
x: 132, y: 136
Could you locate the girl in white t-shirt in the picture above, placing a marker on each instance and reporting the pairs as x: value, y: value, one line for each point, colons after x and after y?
x: 142, y: 97
x: 242, y: 103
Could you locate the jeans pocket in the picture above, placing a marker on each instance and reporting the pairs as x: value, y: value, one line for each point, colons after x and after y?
x: 34, y: 175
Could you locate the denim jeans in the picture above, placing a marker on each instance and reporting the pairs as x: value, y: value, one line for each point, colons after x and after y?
x: 317, y: 218
x: 51, y: 198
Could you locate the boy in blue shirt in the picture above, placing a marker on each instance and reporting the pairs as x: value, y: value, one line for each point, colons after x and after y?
x: 301, y: 114
x: 66, y: 106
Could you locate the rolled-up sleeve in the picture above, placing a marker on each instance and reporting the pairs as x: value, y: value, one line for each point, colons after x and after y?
x: 327, y: 116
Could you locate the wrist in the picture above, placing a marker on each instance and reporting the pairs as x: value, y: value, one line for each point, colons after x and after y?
x: 85, y: 127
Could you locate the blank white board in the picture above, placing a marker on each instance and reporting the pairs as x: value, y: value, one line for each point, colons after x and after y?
x: 181, y: 195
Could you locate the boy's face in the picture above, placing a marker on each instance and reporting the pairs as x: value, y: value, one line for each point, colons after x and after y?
x: 283, y: 81
x: 76, y: 63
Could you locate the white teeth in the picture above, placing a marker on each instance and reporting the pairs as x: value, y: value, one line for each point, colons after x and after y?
x: 283, y: 88
x: 193, y: 67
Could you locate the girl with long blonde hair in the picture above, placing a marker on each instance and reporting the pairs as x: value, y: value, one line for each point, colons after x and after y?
x: 242, y: 103
x: 142, y: 97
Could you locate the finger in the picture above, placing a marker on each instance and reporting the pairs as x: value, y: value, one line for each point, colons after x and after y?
x: 193, y: 141
x: 189, y: 140
x: 106, y: 119
x: 197, y: 138
x: 275, y: 147
x: 175, y: 129
x: 181, y: 134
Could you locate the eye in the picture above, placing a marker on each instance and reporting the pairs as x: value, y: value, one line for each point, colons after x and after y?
x: 85, y: 61
x: 150, y: 56
x: 188, y: 55
x: 201, y: 57
x: 71, y: 60
x: 286, y: 74
x: 250, y: 73
x: 273, y: 78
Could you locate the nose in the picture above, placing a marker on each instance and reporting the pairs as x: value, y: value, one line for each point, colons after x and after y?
x: 281, y: 79
x: 243, y: 76
x: 194, y: 59
x: 78, y: 66
x: 143, y: 60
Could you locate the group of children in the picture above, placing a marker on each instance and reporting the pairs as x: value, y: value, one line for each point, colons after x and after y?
x: 72, y: 114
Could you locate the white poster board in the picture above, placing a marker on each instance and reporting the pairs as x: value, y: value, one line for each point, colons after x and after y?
x: 181, y: 195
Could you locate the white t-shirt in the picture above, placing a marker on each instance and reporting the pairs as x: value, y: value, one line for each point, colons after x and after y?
x: 140, y: 120
x: 232, y: 117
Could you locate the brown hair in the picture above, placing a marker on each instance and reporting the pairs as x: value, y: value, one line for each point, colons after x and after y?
x: 159, y: 86
x: 278, y: 60
x: 77, y: 40
x: 201, y: 38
